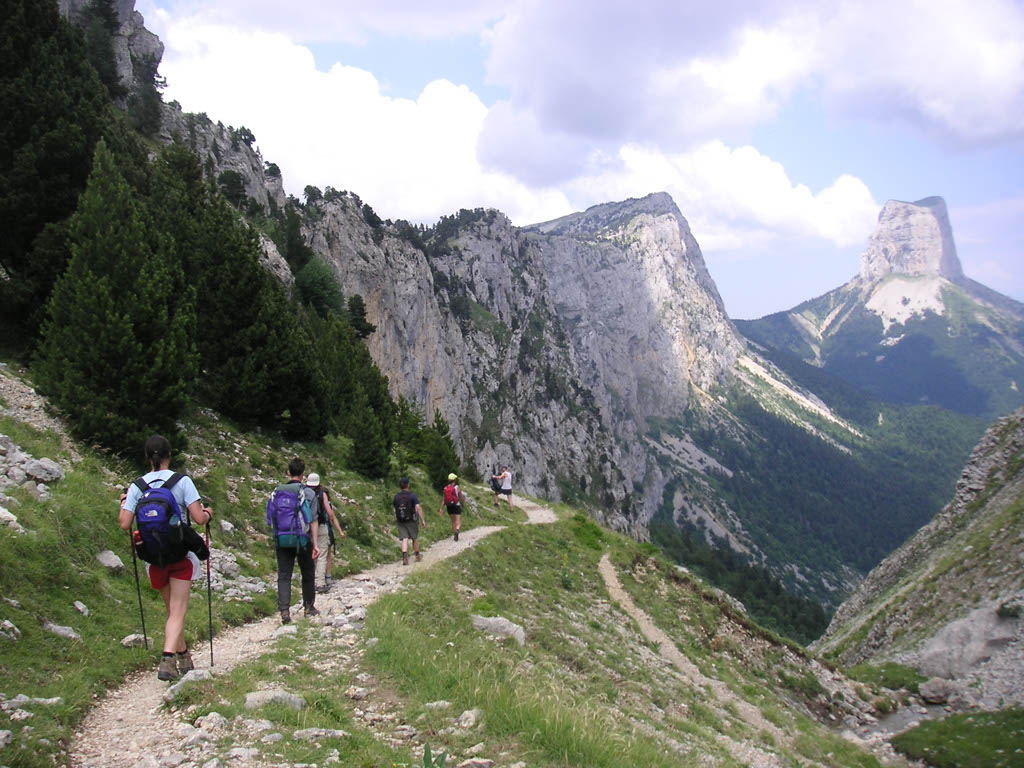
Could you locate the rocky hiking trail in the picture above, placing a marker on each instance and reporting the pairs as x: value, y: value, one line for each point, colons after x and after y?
x: 132, y: 727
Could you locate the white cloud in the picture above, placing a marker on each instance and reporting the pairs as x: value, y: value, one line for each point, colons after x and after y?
x: 409, y: 159
x: 737, y: 197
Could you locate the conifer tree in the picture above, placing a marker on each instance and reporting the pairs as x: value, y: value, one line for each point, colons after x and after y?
x: 117, y: 354
x: 54, y: 110
x: 357, y: 317
x: 371, y: 455
x: 441, y: 458
x: 101, y: 24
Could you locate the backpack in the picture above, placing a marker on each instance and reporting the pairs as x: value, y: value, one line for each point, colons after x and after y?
x: 405, y: 508
x: 495, y: 485
x: 284, y: 515
x: 451, y: 495
x: 160, y: 523
x: 321, y: 511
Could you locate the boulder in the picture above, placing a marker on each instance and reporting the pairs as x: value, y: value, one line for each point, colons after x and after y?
x: 500, y: 627
x: 9, y: 631
x: 937, y: 690
x: 964, y: 644
x: 134, y: 641
x: 226, y: 527
x: 57, y: 629
x: 44, y: 470
x: 212, y: 722
x: 192, y: 675
x: 110, y: 561
x: 6, y: 737
x: 286, y: 630
x: 81, y: 608
x: 9, y: 520
x: 258, y: 699
x: 470, y: 718
x: 356, y: 693
x: 16, y: 475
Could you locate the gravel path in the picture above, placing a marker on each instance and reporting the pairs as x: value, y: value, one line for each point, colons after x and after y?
x: 744, y: 752
x: 131, y: 727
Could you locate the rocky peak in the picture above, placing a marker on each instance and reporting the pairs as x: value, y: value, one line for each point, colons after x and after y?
x: 912, y: 239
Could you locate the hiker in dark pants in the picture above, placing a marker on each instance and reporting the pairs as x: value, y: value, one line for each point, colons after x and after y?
x: 452, y: 499
x: 172, y: 580
x: 505, y: 482
x: 291, y: 512
x: 407, y: 509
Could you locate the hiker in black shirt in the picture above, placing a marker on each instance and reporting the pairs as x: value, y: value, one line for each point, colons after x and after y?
x: 407, y: 509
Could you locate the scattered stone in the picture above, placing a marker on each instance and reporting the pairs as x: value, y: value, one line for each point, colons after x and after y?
x: 173, y: 760
x: 6, y: 737
x: 312, y: 734
x: 134, y: 641
x: 214, y: 763
x: 9, y: 631
x: 372, y: 642
x: 406, y: 732
x: 9, y: 520
x: 272, y: 738
x: 476, y: 762
x: 226, y: 527
x: 500, y: 627
x: 359, y: 614
x: 16, y: 475
x: 212, y: 722
x: 470, y: 718
x: 476, y: 749
x: 356, y: 693
x: 242, y: 753
x: 21, y: 714
x: 110, y: 561
x: 57, y: 629
x: 80, y: 607
x: 258, y: 699
x: 437, y: 704
x: 12, y: 603
x: 189, y: 677
x: 286, y: 630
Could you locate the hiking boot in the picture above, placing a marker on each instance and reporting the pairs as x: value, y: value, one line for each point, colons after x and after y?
x: 456, y: 535
x: 184, y: 660
x: 286, y: 616
x: 310, y: 610
x: 418, y: 557
x: 168, y: 669
x: 323, y: 590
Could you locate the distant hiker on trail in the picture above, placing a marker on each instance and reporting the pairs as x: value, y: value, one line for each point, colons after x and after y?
x: 452, y: 500
x: 161, y: 502
x: 326, y: 524
x: 505, y: 489
x: 291, y: 513
x: 407, y: 509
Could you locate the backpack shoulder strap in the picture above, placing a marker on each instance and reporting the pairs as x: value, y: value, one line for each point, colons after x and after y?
x: 141, y: 484
x: 172, y: 480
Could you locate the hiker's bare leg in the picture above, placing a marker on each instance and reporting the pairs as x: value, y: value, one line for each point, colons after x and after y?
x: 416, y: 545
x: 405, y: 546
x: 456, y: 523
x: 175, y: 595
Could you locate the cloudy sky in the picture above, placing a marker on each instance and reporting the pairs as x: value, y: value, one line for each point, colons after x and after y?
x: 780, y: 128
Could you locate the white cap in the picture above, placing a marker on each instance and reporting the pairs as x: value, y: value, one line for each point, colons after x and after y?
x: 313, y: 479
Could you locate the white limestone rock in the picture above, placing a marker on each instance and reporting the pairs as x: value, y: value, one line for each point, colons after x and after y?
x: 61, y: 631
x: 258, y: 699
x: 499, y: 626
x: 912, y: 239
x: 110, y: 561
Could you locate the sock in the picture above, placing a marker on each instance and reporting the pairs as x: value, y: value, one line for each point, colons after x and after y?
x: 168, y: 655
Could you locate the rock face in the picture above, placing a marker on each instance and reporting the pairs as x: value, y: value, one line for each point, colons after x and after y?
x: 547, y: 347
x: 910, y: 327
x: 950, y: 601
x: 912, y: 239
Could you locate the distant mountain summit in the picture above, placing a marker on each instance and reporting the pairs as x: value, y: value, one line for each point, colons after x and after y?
x: 910, y: 327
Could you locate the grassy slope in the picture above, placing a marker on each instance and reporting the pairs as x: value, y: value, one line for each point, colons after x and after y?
x: 55, y: 565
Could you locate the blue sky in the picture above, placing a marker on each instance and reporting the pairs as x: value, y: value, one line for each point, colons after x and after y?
x: 780, y: 128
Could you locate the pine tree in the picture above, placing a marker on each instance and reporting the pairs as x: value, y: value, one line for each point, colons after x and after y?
x: 357, y: 317
x: 317, y: 287
x: 101, y: 24
x: 117, y: 354
x: 441, y: 458
x: 371, y: 455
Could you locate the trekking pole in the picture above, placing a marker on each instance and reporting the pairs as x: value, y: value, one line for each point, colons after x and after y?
x: 209, y: 595
x: 138, y: 589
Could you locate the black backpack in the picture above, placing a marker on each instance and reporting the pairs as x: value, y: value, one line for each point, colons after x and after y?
x: 321, y: 511
x: 405, y: 507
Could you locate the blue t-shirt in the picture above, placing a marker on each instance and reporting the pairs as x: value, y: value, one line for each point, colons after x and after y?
x: 184, y: 491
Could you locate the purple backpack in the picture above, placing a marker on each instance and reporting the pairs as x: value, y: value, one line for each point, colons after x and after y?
x: 284, y: 515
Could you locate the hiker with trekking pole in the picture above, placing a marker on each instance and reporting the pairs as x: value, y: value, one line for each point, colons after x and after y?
x: 162, y: 505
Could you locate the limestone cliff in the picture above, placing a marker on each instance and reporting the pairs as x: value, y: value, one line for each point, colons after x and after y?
x: 548, y: 347
x: 949, y: 601
x: 912, y: 239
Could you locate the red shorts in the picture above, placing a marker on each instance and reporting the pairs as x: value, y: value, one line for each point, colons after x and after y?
x: 181, y: 570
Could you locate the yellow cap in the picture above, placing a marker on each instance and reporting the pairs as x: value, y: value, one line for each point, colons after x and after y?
x: 453, y: 476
